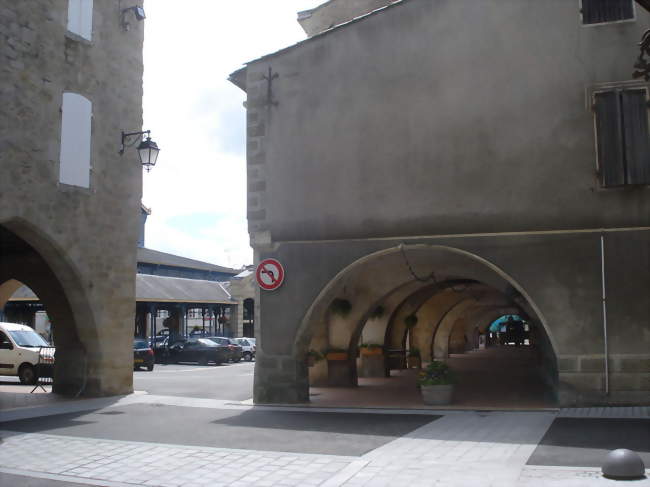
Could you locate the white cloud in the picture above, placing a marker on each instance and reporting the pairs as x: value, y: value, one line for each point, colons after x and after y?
x: 196, y: 117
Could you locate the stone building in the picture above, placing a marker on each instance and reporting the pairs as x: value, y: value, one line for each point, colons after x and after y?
x: 70, y: 83
x: 454, y: 161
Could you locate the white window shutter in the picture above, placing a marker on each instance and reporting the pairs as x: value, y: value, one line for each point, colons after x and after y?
x: 80, y: 18
x: 75, y: 140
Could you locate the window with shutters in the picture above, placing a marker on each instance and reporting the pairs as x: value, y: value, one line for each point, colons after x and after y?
x: 623, y: 141
x: 602, y: 11
x: 80, y: 18
x: 76, y: 116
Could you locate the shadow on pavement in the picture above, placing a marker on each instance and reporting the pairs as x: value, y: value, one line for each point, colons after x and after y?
x: 584, y: 442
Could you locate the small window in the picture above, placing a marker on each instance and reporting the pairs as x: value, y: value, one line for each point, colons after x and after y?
x: 601, y: 11
x: 80, y: 18
x: 75, y: 140
x: 623, y: 140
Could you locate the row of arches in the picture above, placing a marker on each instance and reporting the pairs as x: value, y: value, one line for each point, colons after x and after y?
x: 429, y: 301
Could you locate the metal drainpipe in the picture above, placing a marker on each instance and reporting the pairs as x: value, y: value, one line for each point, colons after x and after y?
x: 602, y: 272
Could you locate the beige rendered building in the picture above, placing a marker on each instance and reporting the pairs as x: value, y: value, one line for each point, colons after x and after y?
x: 449, y: 162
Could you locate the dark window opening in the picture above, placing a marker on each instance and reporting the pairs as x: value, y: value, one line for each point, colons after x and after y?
x: 623, y: 141
x: 601, y: 11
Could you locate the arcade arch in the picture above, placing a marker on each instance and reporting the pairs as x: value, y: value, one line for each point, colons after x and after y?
x: 27, y: 257
x: 453, y: 294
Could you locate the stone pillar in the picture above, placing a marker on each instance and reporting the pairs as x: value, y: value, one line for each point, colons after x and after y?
x: 318, y: 372
x: 237, y: 319
x: 280, y: 379
x: 341, y: 373
x: 211, y: 321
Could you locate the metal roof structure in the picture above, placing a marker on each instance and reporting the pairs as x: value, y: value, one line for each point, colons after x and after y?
x: 150, y: 256
x: 161, y: 289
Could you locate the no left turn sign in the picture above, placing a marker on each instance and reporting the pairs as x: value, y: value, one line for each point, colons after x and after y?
x: 269, y: 274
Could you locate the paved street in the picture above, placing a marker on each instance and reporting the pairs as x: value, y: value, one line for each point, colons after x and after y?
x: 192, y: 426
x: 225, y: 381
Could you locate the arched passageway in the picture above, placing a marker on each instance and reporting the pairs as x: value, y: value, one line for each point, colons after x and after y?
x: 27, y: 258
x: 404, y: 307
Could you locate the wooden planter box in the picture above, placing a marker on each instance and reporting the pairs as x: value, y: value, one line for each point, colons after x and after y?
x: 371, y: 351
x: 336, y: 356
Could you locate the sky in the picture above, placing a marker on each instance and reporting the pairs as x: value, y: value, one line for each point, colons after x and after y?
x: 197, y: 190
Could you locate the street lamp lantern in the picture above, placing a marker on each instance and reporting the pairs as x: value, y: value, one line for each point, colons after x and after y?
x: 147, y: 149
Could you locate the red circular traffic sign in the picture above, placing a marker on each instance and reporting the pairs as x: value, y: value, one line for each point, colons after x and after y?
x: 269, y: 274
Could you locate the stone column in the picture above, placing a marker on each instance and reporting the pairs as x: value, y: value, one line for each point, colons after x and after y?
x: 280, y: 379
x: 237, y: 319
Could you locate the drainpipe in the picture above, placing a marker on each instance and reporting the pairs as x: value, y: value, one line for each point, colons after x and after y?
x: 602, y: 274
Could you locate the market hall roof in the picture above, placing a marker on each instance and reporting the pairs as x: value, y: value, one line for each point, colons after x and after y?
x: 150, y: 256
x: 161, y: 289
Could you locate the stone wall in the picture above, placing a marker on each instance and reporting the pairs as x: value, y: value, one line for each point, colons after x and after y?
x: 86, y: 236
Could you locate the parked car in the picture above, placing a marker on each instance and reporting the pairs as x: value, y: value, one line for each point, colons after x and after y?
x: 248, y: 347
x: 199, y: 350
x: 235, y: 350
x: 142, y: 355
x: 20, y: 349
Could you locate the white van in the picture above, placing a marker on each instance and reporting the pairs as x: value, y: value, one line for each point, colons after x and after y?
x: 20, y: 347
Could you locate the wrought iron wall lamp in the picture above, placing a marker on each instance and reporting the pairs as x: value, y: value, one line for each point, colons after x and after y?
x: 147, y: 149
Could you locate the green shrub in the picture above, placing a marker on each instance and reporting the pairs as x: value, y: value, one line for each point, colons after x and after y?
x: 410, y: 321
x: 316, y: 355
x: 378, y: 312
x: 341, y: 307
x: 436, y: 374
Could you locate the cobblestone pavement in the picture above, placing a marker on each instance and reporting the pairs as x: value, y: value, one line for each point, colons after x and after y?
x: 460, y: 449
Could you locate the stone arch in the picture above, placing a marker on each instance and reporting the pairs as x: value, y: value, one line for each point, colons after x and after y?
x: 29, y: 257
x: 428, y: 269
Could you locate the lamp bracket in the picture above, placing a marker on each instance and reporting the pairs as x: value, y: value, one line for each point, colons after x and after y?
x: 125, y: 137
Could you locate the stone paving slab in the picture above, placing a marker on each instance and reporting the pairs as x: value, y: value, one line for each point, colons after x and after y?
x: 572, y: 477
x: 138, y: 463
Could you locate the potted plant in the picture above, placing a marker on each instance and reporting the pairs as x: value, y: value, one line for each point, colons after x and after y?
x: 410, y: 321
x: 341, y: 307
x: 413, y: 359
x: 313, y: 356
x: 376, y: 313
x: 336, y: 354
x: 371, y: 349
x: 436, y: 383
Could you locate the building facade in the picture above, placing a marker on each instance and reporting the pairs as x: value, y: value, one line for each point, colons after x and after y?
x: 455, y: 161
x: 70, y: 83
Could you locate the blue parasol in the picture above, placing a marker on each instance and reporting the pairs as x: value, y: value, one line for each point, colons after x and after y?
x: 496, y: 324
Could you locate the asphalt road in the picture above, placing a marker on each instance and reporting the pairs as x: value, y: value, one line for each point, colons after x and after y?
x: 585, y: 442
x: 287, y: 431
x: 227, y: 381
